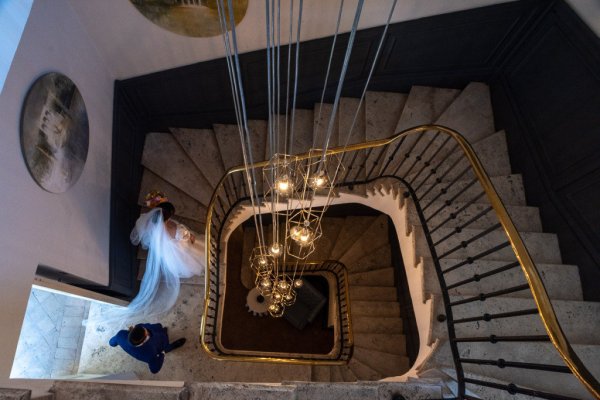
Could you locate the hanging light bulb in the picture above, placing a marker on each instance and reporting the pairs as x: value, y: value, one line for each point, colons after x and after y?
x: 277, y: 297
x: 283, y: 185
x: 275, y: 310
x: 283, y: 285
x: 298, y: 283
x: 289, y: 298
x: 275, y: 250
x: 266, y: 283
x: 318, y: 181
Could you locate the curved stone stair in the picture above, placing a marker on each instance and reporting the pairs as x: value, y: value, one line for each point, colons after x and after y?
x: 194, y: 165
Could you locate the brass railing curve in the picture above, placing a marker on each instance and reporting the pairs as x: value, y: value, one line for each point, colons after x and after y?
x: 534, y: 281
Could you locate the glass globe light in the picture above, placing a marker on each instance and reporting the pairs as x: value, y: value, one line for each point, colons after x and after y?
x: 265, y: 283
x: 276, y: 296
x: 298, y: 283
x: 283, y: 285
x: 275, y: 250
x: 318, y: 181
x: 283, y: 185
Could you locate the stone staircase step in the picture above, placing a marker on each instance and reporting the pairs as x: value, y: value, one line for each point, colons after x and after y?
x: 347, y: 373
x: 543, y: 247
x: 371, y: 324
x: 377, y: 259
x: 336, y: 374
x: 202, y: 148
x: 525, y: 218
x: 165, y: 157
x: 379, y: 277
x: 241, y: 391
x: 246, y: 272
x: 387, y: 364
x: 542, y: 353
x: 375, y: 308
x: 423, y: 106
x: 375, y: 236
x: 562, y: 281
x: 73, y: 390
x: 322, y: 114
x: 185, y: 205
x: 320, y: 373
x: 351, y: 231
x: 331, y: 229
x: 279, y: 133
x: 579, y: 319
x: 509, y: 188
x: 376, y: 293
x: 470, y: 113
x: 384, y: 342
x: 335, y: 391
x: 492, y: 151
x: 382, y: 112
x: 362, y: 371
x: 304, y: 121
x: 350, y: 114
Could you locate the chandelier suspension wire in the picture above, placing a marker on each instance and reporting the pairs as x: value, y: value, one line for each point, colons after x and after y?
x: 239, y: 103
x: 337, y: 29
x: 338, y: 93
x: 300, y: 6
x: 287, y: 81
x: 372, y: 69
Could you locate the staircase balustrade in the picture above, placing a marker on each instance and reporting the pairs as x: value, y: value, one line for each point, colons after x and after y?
x: 438, y: 174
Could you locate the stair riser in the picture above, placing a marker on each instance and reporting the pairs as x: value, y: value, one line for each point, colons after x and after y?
x: 579, y: 320
x: 376, y: 325
x: 543, y: 247
x: 561, y: 281
x: 382, y: 277
x: 526, y: 219
x: 509, y: 188
x: 375, y: 309
x: 373, y: 293
x: 392, y: 344
x: 387, y: 364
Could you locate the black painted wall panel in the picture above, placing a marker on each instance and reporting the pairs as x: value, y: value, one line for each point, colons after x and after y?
x: 548, y: 99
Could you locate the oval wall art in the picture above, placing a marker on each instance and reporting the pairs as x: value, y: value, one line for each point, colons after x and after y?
x: 196, y: 18
x: 54, y: 132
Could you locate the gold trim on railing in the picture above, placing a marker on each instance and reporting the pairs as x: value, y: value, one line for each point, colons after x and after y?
x: 530, y: 271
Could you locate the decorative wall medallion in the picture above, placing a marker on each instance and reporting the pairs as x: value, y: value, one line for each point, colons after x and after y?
x: 197, y: 18
x: 54, y: 132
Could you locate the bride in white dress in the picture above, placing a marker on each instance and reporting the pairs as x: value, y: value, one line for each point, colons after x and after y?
x: 174, y: 252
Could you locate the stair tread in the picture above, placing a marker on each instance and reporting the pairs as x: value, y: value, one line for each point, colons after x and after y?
x: 164, y: 157
x: 375, y: 309
x: 392, y: 343
x: 374, y: 236
x: 385, y: 363
x: 562, y: 281
x: 366, y: 293
x: 470, y: 113
x: 579, y: 319
x: 542, y: 246
x: 370, y: 324
x: 377, y: 259
x: 352, y: 229
x: 509, y: 188
x: 186, y: 206
x: 382, y: 112
x: 362, y: 371
x: 379, y: 277
x: 525, y: 218
x: 202, y: 148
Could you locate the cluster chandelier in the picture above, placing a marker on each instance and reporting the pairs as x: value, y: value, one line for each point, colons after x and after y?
x: 294, y: 191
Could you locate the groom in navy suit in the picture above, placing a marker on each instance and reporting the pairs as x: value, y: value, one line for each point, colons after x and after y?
x: 147, y: 343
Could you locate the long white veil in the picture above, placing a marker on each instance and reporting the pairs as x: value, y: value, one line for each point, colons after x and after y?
x: 168, y: 260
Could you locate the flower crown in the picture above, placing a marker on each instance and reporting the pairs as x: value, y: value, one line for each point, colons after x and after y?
x: 155, y: 198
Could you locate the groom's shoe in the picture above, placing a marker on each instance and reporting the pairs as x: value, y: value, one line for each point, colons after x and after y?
x: 177, y: 344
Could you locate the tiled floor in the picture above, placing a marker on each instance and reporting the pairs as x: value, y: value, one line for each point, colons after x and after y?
x: 51, y: 336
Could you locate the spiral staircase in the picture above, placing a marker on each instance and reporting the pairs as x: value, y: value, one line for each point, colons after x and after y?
x: 456, y: 222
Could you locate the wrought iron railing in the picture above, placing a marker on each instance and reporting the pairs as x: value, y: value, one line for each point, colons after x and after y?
x: 439, y: 171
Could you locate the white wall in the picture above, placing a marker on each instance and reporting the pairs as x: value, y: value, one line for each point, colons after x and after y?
x: 67, y: 231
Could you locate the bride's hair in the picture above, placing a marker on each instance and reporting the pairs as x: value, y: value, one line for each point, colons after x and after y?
x: 168, y: 210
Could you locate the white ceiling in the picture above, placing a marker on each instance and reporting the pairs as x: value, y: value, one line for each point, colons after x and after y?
x: 132, y: 45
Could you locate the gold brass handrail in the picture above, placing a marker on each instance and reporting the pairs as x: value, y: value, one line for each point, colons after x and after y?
x: 528, y: 267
